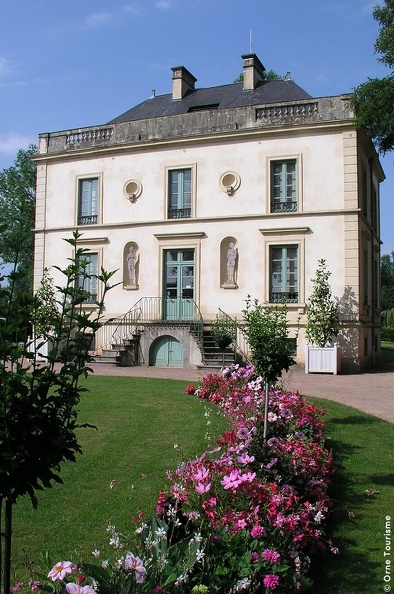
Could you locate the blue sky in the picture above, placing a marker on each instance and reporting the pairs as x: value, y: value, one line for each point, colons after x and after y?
x: 73, y: 63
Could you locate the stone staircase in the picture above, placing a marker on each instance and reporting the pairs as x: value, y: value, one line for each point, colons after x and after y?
x: 212, y: 355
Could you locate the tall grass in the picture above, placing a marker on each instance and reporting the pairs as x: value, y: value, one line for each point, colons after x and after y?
x: 138, y: 423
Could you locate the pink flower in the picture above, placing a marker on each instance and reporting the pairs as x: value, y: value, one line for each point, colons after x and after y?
x: 245, y: 459
x: 248, y: 477
x: 271, y: 581
x: 201, y: 474
x: 233, y: 481
x: 61, y: 569
x: 135, y: 563
x: 75, y: 589
x: 203, y: 487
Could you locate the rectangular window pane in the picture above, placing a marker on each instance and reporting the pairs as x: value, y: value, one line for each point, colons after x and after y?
x: 179, y: 193
x: 88, y: 280
x: 284, y: 186
x: 284, y: 274
x: 88, y: 201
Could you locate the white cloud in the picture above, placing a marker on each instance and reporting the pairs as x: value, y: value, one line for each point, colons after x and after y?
x: 164, y: 5
x: 97, y: 19
x: 11, y: 143
x: 5, y: 66
x: 132, y: 8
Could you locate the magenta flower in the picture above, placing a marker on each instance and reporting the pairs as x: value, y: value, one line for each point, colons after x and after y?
x: 271, y: 581
x: 272, y: 556
x: 257, y: 531
x: 75, y: 589
x: 135, y: 563
x: 61, y: 569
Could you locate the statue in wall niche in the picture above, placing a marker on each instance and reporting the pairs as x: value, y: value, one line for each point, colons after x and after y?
x: 231, y: 261
x: 131, y: 261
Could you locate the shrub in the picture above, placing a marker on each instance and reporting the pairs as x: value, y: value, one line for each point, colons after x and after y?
x: 387, y: 333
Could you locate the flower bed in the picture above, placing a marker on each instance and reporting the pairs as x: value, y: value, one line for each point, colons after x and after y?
x: 248, y: 514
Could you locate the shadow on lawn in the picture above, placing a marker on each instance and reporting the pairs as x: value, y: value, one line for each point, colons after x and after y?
x: 350, y: 571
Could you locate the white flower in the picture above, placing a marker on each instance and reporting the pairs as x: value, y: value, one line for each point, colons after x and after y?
x: 181, y: 580
x: 105, y: 564
x: 319, y: 517
x: 96, y: 553
x: 199, y: 555
x: 161, y: 533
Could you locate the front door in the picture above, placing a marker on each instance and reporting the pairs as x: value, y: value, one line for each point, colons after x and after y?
x: 178, y: 284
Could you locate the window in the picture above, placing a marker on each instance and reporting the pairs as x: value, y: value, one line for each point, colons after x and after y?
x: 88, y: 201
x: 179, y: 193
x: 88, y: 279
x: 284, y: 186
x: 283, y: 274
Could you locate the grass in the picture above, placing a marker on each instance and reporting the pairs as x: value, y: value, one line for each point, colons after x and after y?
x: 364, y: 460
x: 387, y: 352
x: 138, y: 422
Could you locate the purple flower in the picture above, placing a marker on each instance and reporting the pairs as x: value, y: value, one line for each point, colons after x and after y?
x: 273, y: 442
x: 75, y: 589
x: 135, y: 563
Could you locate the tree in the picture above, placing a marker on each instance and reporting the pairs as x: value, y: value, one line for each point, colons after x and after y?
x: 373, y: 101
x: 387, y: 281
x: 268, y: 75
x: 38, y: 400
x: 321, y: 310
x: 17, y: 207
x: 267, y: 333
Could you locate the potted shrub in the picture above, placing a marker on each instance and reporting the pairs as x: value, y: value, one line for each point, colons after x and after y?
x: 223, y: 332
x: 322, y: 325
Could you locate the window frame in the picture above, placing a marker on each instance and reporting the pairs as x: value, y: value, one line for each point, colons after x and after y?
x: 91, y: 302
x: 285, y: 237
x: 285, y: 259
x: 181, y: 168
x: 79, y: 216
x: 282, y: 159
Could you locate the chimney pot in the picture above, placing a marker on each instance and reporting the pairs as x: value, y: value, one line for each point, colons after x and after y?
x: 253, y: 71
x: 182, y: 82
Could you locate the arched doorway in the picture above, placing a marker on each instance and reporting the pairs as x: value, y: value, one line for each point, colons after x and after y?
x: 166, y: 351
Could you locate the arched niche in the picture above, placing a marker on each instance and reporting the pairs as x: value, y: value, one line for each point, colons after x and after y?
x: 229, y: 260
x: 131, y: 266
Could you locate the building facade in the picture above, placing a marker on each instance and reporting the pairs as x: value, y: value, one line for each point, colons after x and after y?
x: 201, y: 197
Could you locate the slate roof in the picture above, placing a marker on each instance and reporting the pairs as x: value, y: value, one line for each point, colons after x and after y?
x: 222, y: 97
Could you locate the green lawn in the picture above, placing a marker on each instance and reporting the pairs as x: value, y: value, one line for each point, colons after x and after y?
x: 388, y: 352
x: 139, y: 421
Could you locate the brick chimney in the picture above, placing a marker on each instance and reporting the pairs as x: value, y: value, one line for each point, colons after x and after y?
x: 253, y: 71
x: 182, y: 81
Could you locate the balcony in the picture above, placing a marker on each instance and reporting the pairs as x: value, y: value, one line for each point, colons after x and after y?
x: 88, y: 220
x: 179, y: 213
x: 284, y: 297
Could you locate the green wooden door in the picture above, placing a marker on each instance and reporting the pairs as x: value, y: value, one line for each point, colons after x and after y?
x: 166, y: 351
x: 178, y: 285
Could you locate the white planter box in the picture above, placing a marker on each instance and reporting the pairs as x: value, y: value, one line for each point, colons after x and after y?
x: 322, y: 359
